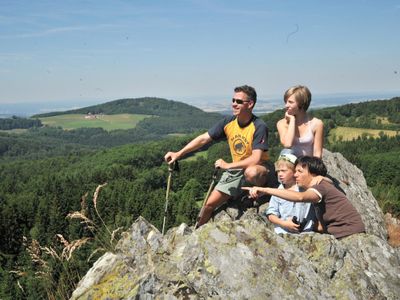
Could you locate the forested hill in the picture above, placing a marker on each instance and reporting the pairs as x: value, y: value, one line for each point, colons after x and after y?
x: 377, y: 114
x: 374, y: 114
x: 143, y: 106
x: 168, y: 117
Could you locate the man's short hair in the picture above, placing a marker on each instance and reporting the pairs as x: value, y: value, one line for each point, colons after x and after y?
x: 302, y: 95
x: 314, y: 165
x: 249, y: 91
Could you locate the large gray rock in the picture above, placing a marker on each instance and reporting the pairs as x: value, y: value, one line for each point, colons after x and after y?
x: 243, y: 260
x: 238, y: 256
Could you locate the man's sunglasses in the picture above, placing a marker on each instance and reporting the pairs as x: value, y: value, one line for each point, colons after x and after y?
x: 239, y: 101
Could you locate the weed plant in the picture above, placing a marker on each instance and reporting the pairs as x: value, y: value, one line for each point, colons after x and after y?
x: 57, y: 267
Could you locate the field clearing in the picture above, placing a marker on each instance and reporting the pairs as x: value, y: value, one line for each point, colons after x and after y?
x: 107, y: 122
x: 196, y: 155
x: 349, y: 133
x: 16, y: 130
x: 383, y: 120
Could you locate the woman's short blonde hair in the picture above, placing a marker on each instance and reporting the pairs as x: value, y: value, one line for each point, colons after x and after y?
x: 302, y: 95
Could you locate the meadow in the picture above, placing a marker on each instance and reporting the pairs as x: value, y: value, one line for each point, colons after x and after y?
x: 350, y: 133
x: 16, y: 131
x: 107, y: 122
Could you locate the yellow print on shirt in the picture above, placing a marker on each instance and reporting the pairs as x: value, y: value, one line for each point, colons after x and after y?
x: 239, y: 144
x: 240, y: 140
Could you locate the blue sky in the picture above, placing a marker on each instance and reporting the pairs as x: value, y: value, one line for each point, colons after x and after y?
x: 193, y: 50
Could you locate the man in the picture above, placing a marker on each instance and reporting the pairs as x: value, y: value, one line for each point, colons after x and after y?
x: 247, y: 138
x: 337, y: 216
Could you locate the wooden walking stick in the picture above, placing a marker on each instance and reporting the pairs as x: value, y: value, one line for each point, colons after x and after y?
x: 171, y: 167
x: 214, y: 179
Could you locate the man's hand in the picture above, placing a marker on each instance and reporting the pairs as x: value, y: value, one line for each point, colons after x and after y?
x: 221, y: 164
x: 170, y: 157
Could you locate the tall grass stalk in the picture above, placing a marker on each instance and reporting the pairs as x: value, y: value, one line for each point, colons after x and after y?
x: 55, y: 266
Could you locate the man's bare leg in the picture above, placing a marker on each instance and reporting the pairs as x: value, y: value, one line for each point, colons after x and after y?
x: 216, y: 199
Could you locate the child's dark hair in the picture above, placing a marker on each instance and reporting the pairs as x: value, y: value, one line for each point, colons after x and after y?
x: 314, y: 165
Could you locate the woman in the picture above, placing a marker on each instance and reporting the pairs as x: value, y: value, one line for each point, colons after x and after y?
x: 297, y: 130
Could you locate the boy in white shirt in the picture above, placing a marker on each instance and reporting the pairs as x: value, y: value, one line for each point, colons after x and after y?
x: 287, y: 216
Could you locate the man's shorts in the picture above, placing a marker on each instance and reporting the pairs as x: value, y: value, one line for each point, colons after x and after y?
x: 232, y: 180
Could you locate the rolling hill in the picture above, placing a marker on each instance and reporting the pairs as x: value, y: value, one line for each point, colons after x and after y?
x: 161, y: 118
x: 141, y: 106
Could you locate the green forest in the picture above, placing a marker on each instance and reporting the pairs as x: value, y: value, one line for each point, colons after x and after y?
x: 55, y: 220
x: 17, y: 122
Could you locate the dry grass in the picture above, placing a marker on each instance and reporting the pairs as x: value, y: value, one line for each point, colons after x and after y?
x: 393, y: 228
x: 107, y: 241
x: 41, y: 255
x: 350, y: 133
x: 45, y: 258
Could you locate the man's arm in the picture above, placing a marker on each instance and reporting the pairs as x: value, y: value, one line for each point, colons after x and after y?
x: 193, y: 145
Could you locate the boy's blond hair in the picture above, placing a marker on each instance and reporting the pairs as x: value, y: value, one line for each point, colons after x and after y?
x: 284, y: 162
x: 287, y: 159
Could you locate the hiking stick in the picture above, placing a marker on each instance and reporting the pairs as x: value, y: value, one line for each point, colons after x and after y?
x: 171, y: 167
x: 214, y: 179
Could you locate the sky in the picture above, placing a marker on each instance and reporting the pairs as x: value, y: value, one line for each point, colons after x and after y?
x: 194, y: 50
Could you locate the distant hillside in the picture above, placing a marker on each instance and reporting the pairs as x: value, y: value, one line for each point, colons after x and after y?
x: 168, y: 117
x: 146, y: 106
x: 376, y: 114
x: 172, y: 117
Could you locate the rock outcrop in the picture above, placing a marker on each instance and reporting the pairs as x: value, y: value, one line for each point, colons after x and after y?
x: 238, y: 256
